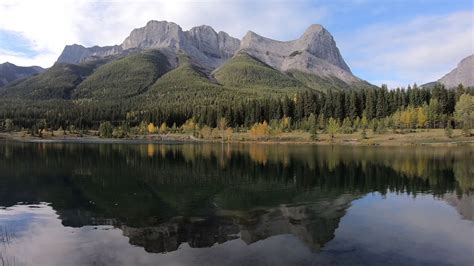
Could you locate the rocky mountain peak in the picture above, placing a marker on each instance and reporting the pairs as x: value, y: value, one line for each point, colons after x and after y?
x: 462, y: 74
x: 314, y: 29
x: 203, y: 28
x: 156, y: 34
x: 315, y: 52
x: 202, y: 44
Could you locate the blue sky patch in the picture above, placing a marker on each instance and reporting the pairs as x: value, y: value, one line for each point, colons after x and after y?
x: 14, y: 42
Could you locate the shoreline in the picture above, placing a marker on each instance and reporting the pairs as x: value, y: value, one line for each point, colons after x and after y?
x: 293, y: 138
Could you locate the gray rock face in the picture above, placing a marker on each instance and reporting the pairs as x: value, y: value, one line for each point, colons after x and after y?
x: 156, y: 34
x: 10, y: 72
x: 75, y: 54
x: 464, y: 205
x: 217, y: 46
x: 315, y: 52
x: 462, y: 74
x: 205, y: 46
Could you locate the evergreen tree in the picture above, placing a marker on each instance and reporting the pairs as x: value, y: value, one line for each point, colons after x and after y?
x: 370, y: 109
x: 381, y: 106
x: 339, y: 106
x: 352, y: 106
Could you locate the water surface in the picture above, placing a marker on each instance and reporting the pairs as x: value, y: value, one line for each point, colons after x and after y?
x: 205, y: 204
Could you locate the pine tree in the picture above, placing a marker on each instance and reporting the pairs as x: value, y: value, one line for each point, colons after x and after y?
x: 299, y: 108
x: 370, y: 110
x: 381, y: 106
x: 311, y: 122
x: 313, y: 127
x: 352, y: 107
x: 339, y: 106
x: 327, y: 109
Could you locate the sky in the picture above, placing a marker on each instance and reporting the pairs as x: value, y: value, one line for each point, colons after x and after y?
x: 394, y: 42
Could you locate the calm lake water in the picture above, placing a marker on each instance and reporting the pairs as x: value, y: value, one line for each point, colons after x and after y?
x: 203, y: 204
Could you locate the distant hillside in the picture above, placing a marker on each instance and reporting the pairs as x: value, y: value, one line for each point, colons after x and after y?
x: 56, y: 82
x: 10, y: 72
x: 247, y: 72
x: 125, y: 77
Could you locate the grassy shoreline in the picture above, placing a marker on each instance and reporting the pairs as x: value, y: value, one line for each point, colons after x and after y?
x: 432, y: 137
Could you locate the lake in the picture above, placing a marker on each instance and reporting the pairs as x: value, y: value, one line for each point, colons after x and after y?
x: 235, y: 204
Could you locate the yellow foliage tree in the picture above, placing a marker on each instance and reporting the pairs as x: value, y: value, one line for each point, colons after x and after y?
x: 285, y: 123
x: 205, y: 132
x: 332, y: 128
x: 222, y: 124
x: 421, y: 116
x: 189, y: 125
x: 228, y: 133
x: 260, y: 129
x: 396, y: 119
x: 151, y: 128
x: 163, y: 128
x: 409, y: 117
x: 364, y: 122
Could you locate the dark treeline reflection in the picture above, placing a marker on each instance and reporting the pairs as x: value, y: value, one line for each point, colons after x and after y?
x: 165, y: 195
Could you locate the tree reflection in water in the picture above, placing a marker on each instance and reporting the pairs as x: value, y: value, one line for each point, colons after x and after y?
x: 161, y: 196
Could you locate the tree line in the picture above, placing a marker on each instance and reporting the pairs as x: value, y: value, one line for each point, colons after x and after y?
x: 344, y: 111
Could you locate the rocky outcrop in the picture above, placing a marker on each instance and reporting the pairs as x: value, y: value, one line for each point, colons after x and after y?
x: 168, y: 236
x: 202, y: 44
x: 464, y: 204
x: 10, y: 72
x: 75, y: 54
x: 314, y: 224
x: 315, y: 52
x: 462, y: 74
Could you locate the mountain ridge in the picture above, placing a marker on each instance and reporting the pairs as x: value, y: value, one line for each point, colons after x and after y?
x: 205, y: 46
x: 10, y: 72
x: 212, y: 64
x: 462, y: 74
x: 314, y: 52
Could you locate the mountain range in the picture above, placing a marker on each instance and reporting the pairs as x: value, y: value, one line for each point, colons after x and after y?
x: 161, y: 61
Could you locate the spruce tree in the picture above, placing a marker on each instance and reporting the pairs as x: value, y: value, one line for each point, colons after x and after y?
x: 381, y: 106
x: 370, y: 105
x: 352, y: 109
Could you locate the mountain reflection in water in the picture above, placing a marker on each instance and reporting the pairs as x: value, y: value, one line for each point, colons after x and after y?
x: 173, y: 198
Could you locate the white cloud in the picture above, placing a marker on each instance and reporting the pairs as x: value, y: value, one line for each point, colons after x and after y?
x: 50, y: 25
x: 420, y: 50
